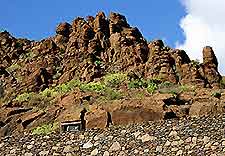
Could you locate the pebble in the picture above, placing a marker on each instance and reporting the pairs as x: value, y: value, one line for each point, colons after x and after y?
x: 96, y: 138
x: 106, y: 153
x: 188, y: 140
x: 223, y: 143
x: 174, y: 143
x: 158, y: 149
x: 205, y: 139
x: 67, y: 149
x: 94, y: 152
x: 29, y: 147
x: 28, y: 154
x: 174, y: 149
x: 179, y: 152
x: 194, y: 140
x: 173, y: 133
x: 87, y: 145
x: 115, y: 147
x: 146, y: 138
x: 43, y: 153
x: 167, y: 143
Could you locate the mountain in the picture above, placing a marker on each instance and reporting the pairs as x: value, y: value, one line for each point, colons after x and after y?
x: 103, y: 71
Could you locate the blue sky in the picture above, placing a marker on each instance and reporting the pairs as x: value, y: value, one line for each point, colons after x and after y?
x: 37, y: 19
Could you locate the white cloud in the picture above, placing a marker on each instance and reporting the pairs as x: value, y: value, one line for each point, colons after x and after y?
x: 204, y: 25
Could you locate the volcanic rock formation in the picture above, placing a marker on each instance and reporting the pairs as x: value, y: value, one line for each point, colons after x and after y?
x: 87, y: 50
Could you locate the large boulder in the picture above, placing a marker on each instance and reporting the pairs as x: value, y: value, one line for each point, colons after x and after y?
x: 64, y: 29
x: 210, y: 67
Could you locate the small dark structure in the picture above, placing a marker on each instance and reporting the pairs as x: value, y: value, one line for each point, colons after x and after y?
x: 71, y: 126
x: 77, y: 125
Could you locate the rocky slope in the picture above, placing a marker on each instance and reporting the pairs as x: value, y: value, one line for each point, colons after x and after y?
x: 190, y: 137
x: 54, y: 79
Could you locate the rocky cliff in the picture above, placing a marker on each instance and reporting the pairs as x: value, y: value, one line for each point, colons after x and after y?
x: 56, y: 78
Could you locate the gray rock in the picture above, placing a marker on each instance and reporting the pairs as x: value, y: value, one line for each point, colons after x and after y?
x: 96, y: 138
x: 67, y: 149
x: 13, y: 151
x: 158, y: 149
x: 115, y: 147
x: 174, y: 149
x: 29, y: 147
x: 180, y: 152
x: 88, y: 145
x: 173, y: 133
x: 174, y: 143
x: 106, y: 153
x: 55, y: 148
x: 94, y: 152
x: 167, y: 143
x: 28, y: 154
x: 223, y: 143
x: 43, y: 153
x: 146, y: 138
x: 205, y: 139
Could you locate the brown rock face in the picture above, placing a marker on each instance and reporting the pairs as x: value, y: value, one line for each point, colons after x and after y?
x: 64, y: 29
x: 160, y: 65
x: 210, y: 67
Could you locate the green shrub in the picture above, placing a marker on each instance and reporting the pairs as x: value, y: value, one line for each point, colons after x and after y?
x: 45, y: 129
x: 151, y: 87
x: 98, y: 62
x: 93, y: 86
x: 24, y: 97
x: 113, y: 80
x: 63, y: 88
x: 73, y: 83
x: 112, y: 94
x: 139, y: 95
x: 155, y: 80
x: 166, y: 84
x: 170, y: 88
x: 49, y: 93
x: 13, y: 67
x: 29, y: 55
x: 67, y: 87
x: 184, y: 88
x: 140, y: 83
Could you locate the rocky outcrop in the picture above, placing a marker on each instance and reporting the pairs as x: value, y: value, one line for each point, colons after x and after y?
x: 161, y: 65
x: 210, y: 68
x: 88, y: 49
